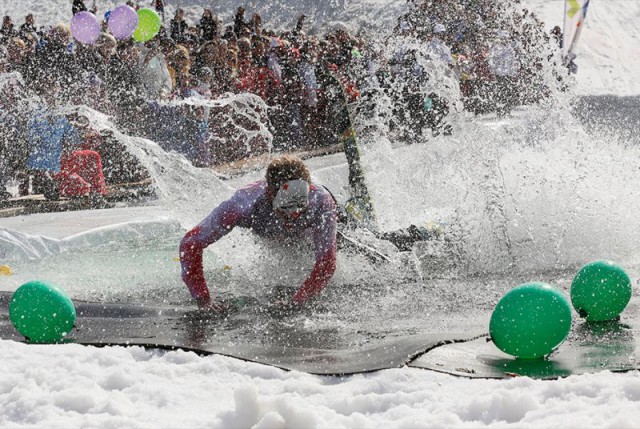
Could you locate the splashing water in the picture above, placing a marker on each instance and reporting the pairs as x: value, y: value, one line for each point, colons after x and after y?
x: 530, y: 193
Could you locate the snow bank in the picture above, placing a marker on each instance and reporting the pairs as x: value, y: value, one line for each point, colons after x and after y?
x: 71, y: 386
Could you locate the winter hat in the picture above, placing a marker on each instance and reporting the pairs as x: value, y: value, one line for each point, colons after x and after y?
x: 205, y: 71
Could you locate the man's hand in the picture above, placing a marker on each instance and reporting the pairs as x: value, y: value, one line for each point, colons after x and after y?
x: 205, y: 304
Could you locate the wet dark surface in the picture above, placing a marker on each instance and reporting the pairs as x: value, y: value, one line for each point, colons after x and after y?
x: 283, y: 342
x: 590, y: 348
x: 251, y: 333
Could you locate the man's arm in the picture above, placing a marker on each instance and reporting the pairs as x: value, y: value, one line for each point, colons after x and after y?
x: 320, y: 275
x: 219, y: 223
x: 324, y: 238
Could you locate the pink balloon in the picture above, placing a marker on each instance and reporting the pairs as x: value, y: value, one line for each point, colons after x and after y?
x: 123, y: 21
x: 85, y: 27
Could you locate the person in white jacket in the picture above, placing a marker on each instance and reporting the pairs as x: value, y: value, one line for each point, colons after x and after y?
x: 504, y: 64
x: 437, y: 49
x: 154, y: 73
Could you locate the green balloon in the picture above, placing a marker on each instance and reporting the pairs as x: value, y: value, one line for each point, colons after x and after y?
x: 149, y: 23
x: 530, y: 321
x: 600, y: 291
x: 42, y: 312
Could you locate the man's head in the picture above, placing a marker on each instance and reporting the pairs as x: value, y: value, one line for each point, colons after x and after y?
x: 61, y: 34
x: 205, y: 75
x: 288, y: 186
x: 106, y: 45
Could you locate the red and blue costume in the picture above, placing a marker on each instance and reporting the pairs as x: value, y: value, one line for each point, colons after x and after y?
x: 251, y: 207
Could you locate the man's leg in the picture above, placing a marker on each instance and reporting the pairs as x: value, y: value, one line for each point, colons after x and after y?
x: 405, y: 238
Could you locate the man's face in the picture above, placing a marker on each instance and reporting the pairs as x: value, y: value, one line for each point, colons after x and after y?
x: 291, y: 200
x: 290, y: 215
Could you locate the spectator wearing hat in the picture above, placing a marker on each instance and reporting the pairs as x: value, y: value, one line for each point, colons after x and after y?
x: 7, y: 31
x: 159, y: 6
x: 208, y: 26
x: 178, y: 26
x: 78, y: 6
x: 28, y: 28
x: 239, y: 23
x: 55, y: 62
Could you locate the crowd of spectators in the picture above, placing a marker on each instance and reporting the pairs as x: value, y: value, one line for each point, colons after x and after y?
x: 499, y: 51
x: 293, y: 82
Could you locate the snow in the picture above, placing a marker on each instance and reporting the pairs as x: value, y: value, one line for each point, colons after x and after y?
x: 609, y: 53
x: 115, y: 387
x: 74, y: 386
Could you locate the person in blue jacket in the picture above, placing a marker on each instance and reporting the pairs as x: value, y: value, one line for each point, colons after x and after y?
x: 47, y: 130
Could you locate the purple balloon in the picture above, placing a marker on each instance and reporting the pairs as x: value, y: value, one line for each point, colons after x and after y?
x: 85, y: 27
x: 123, y: 21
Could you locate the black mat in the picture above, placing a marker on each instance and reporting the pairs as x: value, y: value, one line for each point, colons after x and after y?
x: 288, y: 348
x: 590, y: 348
x: 248, y: 333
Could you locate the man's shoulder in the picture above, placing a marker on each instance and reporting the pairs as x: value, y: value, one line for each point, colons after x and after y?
x: 259, y: 186
x: 320, y: 196
x: 249, y: 194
